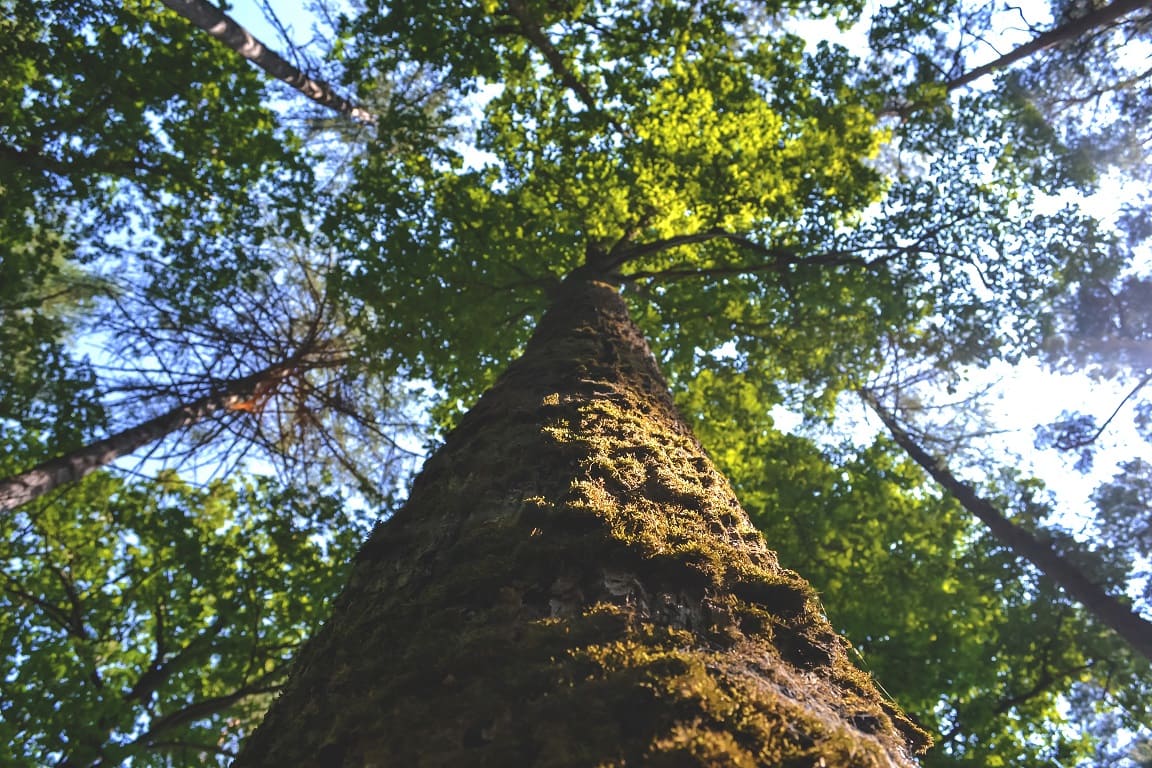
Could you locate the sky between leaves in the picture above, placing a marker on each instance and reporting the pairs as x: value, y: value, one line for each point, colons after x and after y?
x: 1028, y: 394
x: 504, y: 208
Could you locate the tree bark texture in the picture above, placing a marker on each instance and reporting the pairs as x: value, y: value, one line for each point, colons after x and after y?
x: 1108, y: 610
x: 572, y: 583
x: 45, y: 477
x: 225, y: 29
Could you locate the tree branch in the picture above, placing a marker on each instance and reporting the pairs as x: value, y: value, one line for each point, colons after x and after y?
x: 1052, y: 37
x: 201, y: 709
x: 1042, y: 685
x: 779, y: 257
x: 32, y: 483
x: 161, y: 670
x: 532, y: 32
x: 54, y: 612
x: 1069, y: 443
x: 76, y: 165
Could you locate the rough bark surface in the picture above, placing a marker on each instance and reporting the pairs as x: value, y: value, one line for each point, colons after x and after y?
x: 572, y: 583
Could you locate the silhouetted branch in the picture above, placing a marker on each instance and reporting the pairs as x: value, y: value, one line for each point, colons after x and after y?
x: 1061, y: 34
x: 531, y: 30
x: 1069, y: 443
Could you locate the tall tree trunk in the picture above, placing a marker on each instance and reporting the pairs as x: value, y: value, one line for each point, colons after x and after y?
x: 235, y: 395
x: 1062, y: 34
x: 572, y: 583
x: 225, y: 29
x: 1107, y: 609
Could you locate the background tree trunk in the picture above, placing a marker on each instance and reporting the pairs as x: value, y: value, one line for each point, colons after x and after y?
x: 235, y: 395
x: 573, y: 583
x: 1064, y: 33
x: 1107, y: 609
x: 225, y: 29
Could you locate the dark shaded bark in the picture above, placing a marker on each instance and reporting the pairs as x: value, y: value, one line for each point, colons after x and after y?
x: 235, y: 395
x: 225, y: 29
x: 1062, y: 34
x: 1107, y: 609
x: 572, y: 583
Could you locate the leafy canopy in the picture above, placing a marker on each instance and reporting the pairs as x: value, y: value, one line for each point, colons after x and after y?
x: 153, y: 620
x: 775, y: 230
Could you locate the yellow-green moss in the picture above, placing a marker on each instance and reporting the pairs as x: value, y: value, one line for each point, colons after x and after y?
x: 573, y: 584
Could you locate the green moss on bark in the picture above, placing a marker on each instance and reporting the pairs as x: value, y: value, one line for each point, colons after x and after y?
x: 572, y: 583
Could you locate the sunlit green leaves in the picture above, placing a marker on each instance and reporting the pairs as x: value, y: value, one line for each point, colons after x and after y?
x: 777, y: 211
x: 602, y: 138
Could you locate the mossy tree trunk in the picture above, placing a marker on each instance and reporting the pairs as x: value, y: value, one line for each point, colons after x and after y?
x: 572, y: 583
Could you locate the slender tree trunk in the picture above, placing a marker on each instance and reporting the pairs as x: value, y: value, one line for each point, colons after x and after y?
x: 1107, y: 609
x: 1062, y: 34
x: 572, y: 583
x: 225, y: 29
x: 44, y: 477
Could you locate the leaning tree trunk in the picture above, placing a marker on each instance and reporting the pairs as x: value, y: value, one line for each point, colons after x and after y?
x: 1108, y: 609
x: 1072, y: 30
x: 234, y: 395
x: 572, y: 583
x: 225, y: 29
